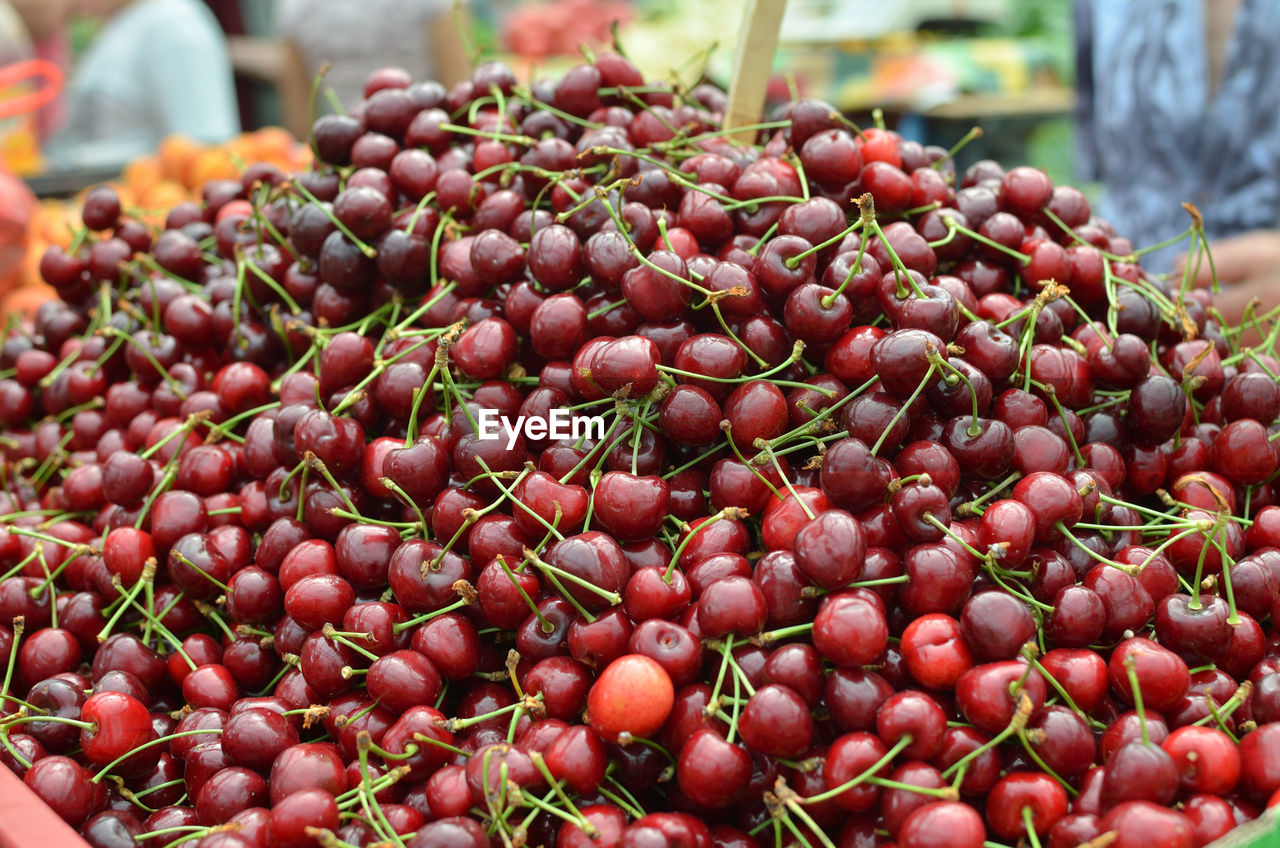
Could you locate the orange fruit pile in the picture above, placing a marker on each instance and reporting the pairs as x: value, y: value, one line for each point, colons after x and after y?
x: 147, y: 187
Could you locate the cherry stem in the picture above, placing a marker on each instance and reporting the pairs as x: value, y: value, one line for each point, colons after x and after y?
x: 1134, y: 506
x: 545, y: 806
x: 974, y: 429
x: 1058, y: 687
x: 829, y: 300
x: 469, y: 517
x: 606, y: 309
x: 324, y: 837
x: 930, y: 518
x: 750, y: 464
x: 21, y: 718
x: 365, y: 791
x: 23, y: 563
x: 149, y: 356
x: 1021, y: 716
x: 867, y: 205
x: 623, y: 797
x: 334, y: 635
x: 991, y: 243
x: 46, y: 468
x: 1221, y: 714
x: 547, y: 626
x: 793, y: 261
x: 555, y: 574
x: 178, y: 828
x: 270, y: 281
x: 431, y: 740
x: 1138, y: 708
x: 946, y: 793
x: 663, y: 146
x: 206, y: 575
x: 972, y: 135
x: 726, y: 657
x: 368, y: 251
x: 403, y: 497
x: 150, y: 789
x: 745, y: 378
x: 1050, y: 393
x: 318, y: 464
x: 583, y: 822
x: 1233, y: 616
x: 995, y: 574
x: 376, y: 785
x: 1080, y: 240
x: 1062, y: 528
x: 801, y: 813
x: 97, y: 778
x: 1210, y: 532
x: 283, y: 491
x: 1025, y: 739
x: 763, y: 446
x: 19, y: 624
x: 1028, y: 816
x: 554, y: 528
x: 902, y: 410
x: 467, y: 599
x: 445, y: 289
x: 509, y: 494
x: 864, y: 776
x: 128, y: 597
x: 727, y: 512
x: 503, y: 775
x: 166, y: 480
x: 154, y: 621
x: 808, y: 427
x: 452, y: 394
x: 524, y: 140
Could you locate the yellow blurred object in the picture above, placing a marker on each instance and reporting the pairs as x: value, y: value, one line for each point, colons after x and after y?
x: 148, y: 187
x: 25, y: 87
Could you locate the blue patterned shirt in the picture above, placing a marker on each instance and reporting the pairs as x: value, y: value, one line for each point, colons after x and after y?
x: 1154, y: 135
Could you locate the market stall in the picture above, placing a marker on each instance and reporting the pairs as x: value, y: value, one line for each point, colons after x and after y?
x: 605, y: 459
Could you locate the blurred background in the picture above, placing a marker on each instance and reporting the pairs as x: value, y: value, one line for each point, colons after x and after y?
x: 161, y: 95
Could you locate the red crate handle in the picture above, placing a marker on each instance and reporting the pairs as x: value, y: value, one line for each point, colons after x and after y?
x: 24, y: 71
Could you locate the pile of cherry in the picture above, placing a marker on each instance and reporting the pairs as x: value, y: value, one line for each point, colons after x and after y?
x: 857, y: 502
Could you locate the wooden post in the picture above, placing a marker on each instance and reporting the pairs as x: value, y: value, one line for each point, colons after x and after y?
x: 757, y: 41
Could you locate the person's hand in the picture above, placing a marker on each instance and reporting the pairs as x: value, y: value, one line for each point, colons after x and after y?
x: 1248, y: 269
x: 1237, y: 259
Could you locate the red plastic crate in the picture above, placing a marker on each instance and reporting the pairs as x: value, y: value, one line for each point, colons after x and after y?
x: 25, y: 821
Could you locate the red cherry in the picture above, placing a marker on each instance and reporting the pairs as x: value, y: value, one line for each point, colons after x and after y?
x: 633, y: 695
x: 1138, y: 823
x: 1206, y: 758
x: 710, y: 770
x: 121, y: 724
x: 934, y: 651
x: 943, y: 823
x: 1018, y: 791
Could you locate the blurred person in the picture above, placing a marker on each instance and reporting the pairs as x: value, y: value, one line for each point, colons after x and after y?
x: 1177, y: 104
x: 354, y: 39
x: 155, y: 68
x: 15, y: 39
x: 46, y: 24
